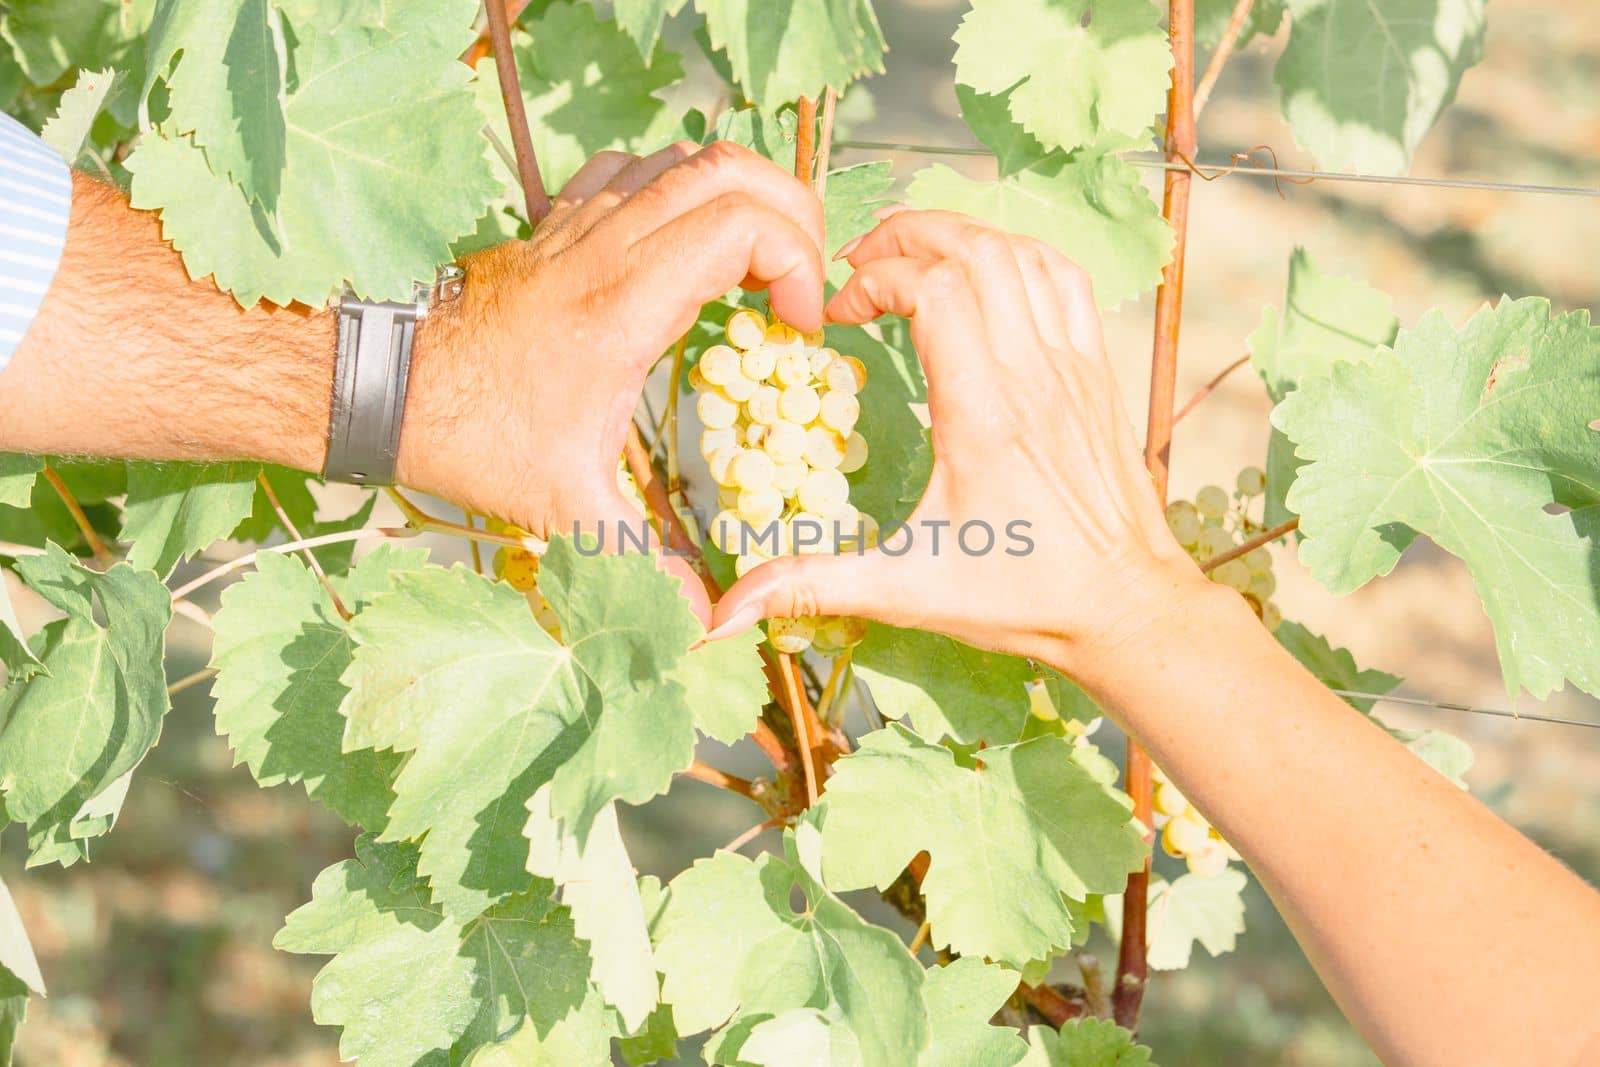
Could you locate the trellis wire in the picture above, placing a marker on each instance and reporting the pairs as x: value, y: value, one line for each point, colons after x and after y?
x: 1210, y: 170
x: 1445, y: 705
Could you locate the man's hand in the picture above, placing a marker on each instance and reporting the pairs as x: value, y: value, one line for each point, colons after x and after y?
x: 522, y: 394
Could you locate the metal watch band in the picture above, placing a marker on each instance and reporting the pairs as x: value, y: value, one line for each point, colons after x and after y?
x: 371, y: 369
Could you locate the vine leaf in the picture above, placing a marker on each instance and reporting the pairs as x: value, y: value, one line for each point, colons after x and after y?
x: 962, y: 996
x: 897, y: 470
x: 51, y: 37
x: 1211, y: 20
x: 174, y: 510
x: 733, y: 950
x: 358, y: 202
x: 1361, y: 83
x: 943, y: 687
x: 1005, y: 854
x: 581, y: 1037
x: 598, y: 885
x: 68, y: 129
x: 1325, y: 319
x: 16, y: 951
x: 1203, y: 909
x: 1479, y: 439
x: 19, y: 660
x: 279, y: 652
x: 642, y: 19
x: 1336, y: 668
x: 1083, y: 73
x: 778, y: 56
x: 585, y: 88
x: 725, y: 685
x: 74, y: 731
x: 852, y: 195
x: 17, y: 475
x: 227, y: 90
x: 1084, y: 1043
x: 453, y: 669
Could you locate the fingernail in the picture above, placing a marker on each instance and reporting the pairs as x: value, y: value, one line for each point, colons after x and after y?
x: 846, y: 248
x: 737, y: 623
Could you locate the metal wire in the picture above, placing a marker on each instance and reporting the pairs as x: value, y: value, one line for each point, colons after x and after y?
x: 1250, y: 170
x: 1502, y: 713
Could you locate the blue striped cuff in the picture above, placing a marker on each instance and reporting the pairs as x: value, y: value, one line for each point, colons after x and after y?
x: 35, y: 206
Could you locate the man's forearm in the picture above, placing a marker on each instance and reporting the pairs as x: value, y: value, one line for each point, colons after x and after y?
x: 1445, y: 935
x: 128, y: 357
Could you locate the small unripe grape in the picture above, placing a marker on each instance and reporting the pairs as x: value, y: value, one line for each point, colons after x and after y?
x: 758, y: 507
x: 1271, y: 617
x: 1233, y: 574
x: 1184, y: 522
x: 824, y: 448
x: 1262, y: 586
x: 790, y: 473
x: 791, y: 636
x: 794, y: 367
x: 716, y: 410
x: 713, y: 440
x: 782, y: 335
x: 720, y: 461
x: 753, y: 469
x: 1208, y: 861
x: 759, y: 362
x: 1212, y: 502
x: 745, y: 329
x: 1259, y: 560
x: 855, y: 454
x: 740, y: 388
x: 1252, y: 481
x: 763, y: 405
x: 839, y: 411
x: 697, y: 380
x: 1168, y: 800
x: 785, y: 441
x: 719, y: 365
x: 824, y: 492
x: 799, y: 403
x: 1213, y: 541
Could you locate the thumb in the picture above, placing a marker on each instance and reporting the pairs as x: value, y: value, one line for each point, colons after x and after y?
x: 796, y: 586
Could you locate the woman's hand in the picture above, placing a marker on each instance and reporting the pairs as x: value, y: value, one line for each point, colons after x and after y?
x: 1028, y: 428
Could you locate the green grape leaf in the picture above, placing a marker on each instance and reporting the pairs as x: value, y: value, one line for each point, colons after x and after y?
x: 1211, y: 19
x: 397, y: 985
x: 583, y: 1037
x: 767, y: 133
x: 799, y: 1037
x: 529, y: 965
x: 585, y: 87
x: 1325, y: 319
x: 656, y: 1041
x: 279, y: 652
x: 1089, y: 73
x: 642, y: 19
x: 1336, y: 668
x: 725, y: 685
x: 1208, y: 910
x: 175, y: 510
x: 1090, y: 206
x: 227, y: 90
x: 51, y: 38
x: 92, y: 483
x: 599, y: 886
x: 1361, y: 83
x: 901, y: 457
x: 1007, y: 844
x: 962, y: 996
x: 17, y: 475
x: 852, y: 195
x: 1084, y: 1043
x: 293, y: 491
x: 777, y: 55
x: 731, y: 946
x: 943, y: 687
x: 16, y: 951
x: 988, y: 115
x: 19, y: 660
x: 72, y: 732
x: 1472, y: 438
x: 359, y: 201
x: 68, y: 128
x: 327, y: 16
x: 13, y: 1010
x: 454, y: 670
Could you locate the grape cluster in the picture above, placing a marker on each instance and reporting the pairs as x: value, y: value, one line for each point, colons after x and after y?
x: 1213, y: 523
x: 1185, y: 833
x: 780, y: 413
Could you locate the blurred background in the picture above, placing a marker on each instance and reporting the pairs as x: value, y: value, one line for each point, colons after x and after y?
x: 159, y: 952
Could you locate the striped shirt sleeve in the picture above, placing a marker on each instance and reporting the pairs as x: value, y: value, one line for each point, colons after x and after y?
x: 35, y: 205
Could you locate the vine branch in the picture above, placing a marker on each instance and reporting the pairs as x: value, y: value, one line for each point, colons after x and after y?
x: 805, y: 145
x: 294, y: 535
x: 1054, y: 1005
x: 102, y: 555
x: 830, y: 101
x: 1265, y: 537
x: 1180, y: 142
x: 534, y: 196
x: 1208, y: 388
x: 704, y: 772
x: 1219, y: 58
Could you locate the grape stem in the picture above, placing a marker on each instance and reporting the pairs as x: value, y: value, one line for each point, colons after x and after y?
x: 470, y: 520
x: 805, y: 145
x: 307, y: 554
x: 102, y: 555
x: 830, y: 692
x: 1208, y: 388
x: 1219, y: 58
x: 830, y: 101
x: 797, y: 708
x: 1180, y: 141
x: 191, y: 680
x: 1055, y: 1006
x: 535, y: 198
x: 1265, y: 537
x: 704, y: 772
x: 183, y: 591
x: 751, y: 834
x: 419, y: 521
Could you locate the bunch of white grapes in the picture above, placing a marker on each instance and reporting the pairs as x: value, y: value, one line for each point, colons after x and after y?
x: 1185, y: 833
x: 780, y: 411
x: 1214, y: 523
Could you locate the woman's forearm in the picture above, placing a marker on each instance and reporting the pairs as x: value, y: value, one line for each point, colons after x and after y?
x: 1445, y: 935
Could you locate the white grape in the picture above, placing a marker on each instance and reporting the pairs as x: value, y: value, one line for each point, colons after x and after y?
x: 1259, y: 560
x: 1184, y: 522
x: 1208, y: 861
x: 820, y: 359
x: 1271, y: 617
x: 755, y: 434
x: 712, y: 440
x: 799, y: 403
x: 697, y: 380
x: 754, y: 469
x: 1213, y: 541
x: 793, y: 368
x: 745, y: 329
x: 839, y: 411
x: 824, y: 492
x: 813, y: 339
x: 1212, y: 501
x: 810, y: 533
x: 791, y: 636
x: 1262, y: 586
x: 758, y: 507
x: 740, y: 388
x: 726, y: 532
x: 824, y: 448
x: 1252, y: 481
x: 782, y: 335
x: 759, y: 362
x: 1233, y: 574
x: 1168, y: 799
x: 1184, y: 835
x: 855, y: 454
x: 747, y: 563
x: 719, y: 462
x: 842, y: 631
x: 727, y: 497
x: 785, y: 441
x: 716, y: 410
x: 719, y: 365
x: 763, y: 405
x: 789, y: 474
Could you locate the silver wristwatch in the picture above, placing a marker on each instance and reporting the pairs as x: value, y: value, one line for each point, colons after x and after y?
x: 370, y: 370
